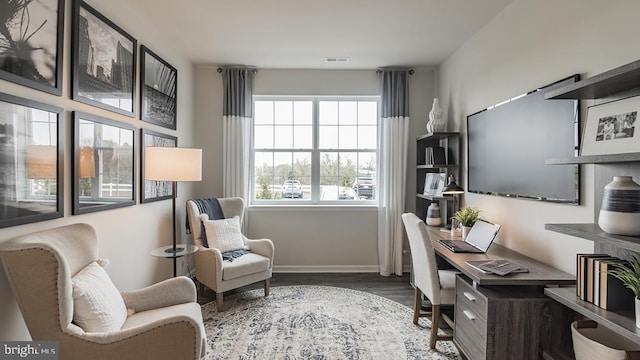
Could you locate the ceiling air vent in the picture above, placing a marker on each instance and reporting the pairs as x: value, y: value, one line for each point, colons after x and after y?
x: 337, y: 59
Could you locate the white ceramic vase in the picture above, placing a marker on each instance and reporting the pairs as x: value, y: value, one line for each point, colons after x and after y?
x: 433, y: 215
x: 620, y: 210
x: 465, y: 231
x: 436, y: 123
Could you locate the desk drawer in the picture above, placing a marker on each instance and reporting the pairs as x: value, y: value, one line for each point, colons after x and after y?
x: 470, y: 330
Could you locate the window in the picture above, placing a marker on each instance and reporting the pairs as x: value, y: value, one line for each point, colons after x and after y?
x: 314, y: 149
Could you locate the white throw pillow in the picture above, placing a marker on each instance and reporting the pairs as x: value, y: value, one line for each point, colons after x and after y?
x: 224, y: 234
x: 97, y: 303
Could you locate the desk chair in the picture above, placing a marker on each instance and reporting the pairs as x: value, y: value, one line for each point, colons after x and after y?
x: 437, y: 285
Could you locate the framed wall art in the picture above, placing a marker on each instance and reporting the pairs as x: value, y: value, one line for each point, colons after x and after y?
x: 31, y: 168
x: 31, y: 41
x: 610, y: 128
x: 151, y: 190
x: 434, y: 183
x: 158, y: 90
x: 104, y: 62
x: 103, y: 164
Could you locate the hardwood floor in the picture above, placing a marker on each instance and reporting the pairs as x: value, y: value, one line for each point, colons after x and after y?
x: 396, y: 288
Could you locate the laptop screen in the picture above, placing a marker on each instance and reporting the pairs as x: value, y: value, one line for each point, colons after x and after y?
x: 482, y: 234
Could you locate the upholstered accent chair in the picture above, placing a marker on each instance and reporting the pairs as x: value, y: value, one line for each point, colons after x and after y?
x: 439, y: 286
x: 162, y: 321
x: 223, y: 275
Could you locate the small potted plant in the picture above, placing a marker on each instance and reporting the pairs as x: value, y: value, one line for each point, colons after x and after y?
x: 629, y: 275
x: 466, y: 216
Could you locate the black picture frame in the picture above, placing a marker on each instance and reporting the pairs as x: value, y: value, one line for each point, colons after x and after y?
x: 31, y: 161
x: 39, y: 25
x: 104, y: 62
x: 104, y: 164
x: 152, y: 190
x: 158, y: 90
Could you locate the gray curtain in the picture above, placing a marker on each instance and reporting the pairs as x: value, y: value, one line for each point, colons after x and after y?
x: 236, y: 117
x: 392, y: 168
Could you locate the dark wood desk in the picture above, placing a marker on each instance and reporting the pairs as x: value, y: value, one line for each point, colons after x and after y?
x: 504, y: 317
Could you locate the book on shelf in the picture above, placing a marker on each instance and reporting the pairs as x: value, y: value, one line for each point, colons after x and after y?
x: 591, y: 275
x: 595, y: 299
x: 581, y: 274
x: 435, y: 155
x: 614, y: 295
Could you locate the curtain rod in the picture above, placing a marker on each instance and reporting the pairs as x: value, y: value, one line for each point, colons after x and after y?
x: 378, y: 72
x: 255, y: 71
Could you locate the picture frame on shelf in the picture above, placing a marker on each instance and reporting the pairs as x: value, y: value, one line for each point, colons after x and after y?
x: 32, y: 53
x: 610, y: 128
x: 152, y: 190
x: 434, y: 183
x: 158, y: 90
x: 104, y: 62
x: 103, y: 164
x: 31, y: 159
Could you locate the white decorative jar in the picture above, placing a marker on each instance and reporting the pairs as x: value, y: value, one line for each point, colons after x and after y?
x: 620, y: 210
x: 436, y: 123
x: 465, y: 231
x: 594, y: 342
x: 433, y: 215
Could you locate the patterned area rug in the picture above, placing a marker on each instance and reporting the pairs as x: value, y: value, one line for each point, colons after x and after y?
x: 317, y: 322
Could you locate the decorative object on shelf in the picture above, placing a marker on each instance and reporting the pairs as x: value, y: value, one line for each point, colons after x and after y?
x: 104, y: 62
x: 592, y: 341
x: 31, y: 52
x: 158, y: 90
x: 467, y: 216
x: 173, y: 164
x: 435, y: 155
x: 433, y: 215
x: 620, y: 211
x: 434, y: 184
x: 629, y: 274
x: 436, y: 123
x: 610, y: 128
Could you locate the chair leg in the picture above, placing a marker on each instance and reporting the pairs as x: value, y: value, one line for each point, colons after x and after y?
x: 417, y: 305
x: 435, y: 321
x: 219, y: 300
x: 267, y: 283
x: 201, y: 289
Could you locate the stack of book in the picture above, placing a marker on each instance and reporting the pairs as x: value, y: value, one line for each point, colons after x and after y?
x: 435, y: 155
x: 596, y: 285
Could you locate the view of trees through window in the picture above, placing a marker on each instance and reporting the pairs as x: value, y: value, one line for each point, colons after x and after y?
x: 315, y: 149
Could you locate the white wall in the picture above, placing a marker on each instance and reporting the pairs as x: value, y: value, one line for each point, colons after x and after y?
x: 309, y: 238
x: 531, y: 44
x: 126, y: 235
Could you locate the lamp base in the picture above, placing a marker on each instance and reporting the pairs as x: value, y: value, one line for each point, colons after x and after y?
x: 173, y: 251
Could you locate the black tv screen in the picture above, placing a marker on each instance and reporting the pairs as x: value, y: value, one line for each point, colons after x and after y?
x: 508, y: 144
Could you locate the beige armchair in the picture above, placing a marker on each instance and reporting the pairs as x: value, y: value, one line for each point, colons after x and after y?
x: 222, y: 275
x: 164, y: 320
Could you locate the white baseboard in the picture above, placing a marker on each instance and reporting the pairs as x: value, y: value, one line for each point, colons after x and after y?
x: 325, y: 269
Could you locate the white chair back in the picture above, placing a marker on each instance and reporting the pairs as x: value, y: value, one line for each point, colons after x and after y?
x: 425, y: 269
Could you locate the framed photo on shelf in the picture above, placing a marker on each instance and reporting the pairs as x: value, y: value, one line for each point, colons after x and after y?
x: 158, y: 90
x: 610, y: 128
x: 104, y: 62
x: 32, y: 41
x: 152, y: 190
x: 103, y: 164
x: 31, y: 155
x: 434, y: 183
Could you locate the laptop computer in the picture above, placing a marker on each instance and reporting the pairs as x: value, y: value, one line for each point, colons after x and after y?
x: 478, y: 240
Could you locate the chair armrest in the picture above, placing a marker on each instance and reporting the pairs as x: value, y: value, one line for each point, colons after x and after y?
x: 174, y: 291
x: 208, y: 266
x: 262, y: 247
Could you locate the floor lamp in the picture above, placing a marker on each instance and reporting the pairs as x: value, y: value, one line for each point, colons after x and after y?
x: 454, y: 190
x: 173, y: 164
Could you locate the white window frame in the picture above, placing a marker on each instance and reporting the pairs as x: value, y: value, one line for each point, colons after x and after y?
x: 315, y: 153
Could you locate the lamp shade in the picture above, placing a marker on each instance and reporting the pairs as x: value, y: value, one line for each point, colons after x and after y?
x: 172, y: 164
x: 452, y: 187
x: 42, y: 162
x: 87, y: 163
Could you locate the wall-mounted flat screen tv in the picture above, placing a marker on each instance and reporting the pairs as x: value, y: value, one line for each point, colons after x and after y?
x: 508, y: 144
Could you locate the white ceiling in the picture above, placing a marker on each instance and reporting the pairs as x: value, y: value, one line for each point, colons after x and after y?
x: 302, y: 33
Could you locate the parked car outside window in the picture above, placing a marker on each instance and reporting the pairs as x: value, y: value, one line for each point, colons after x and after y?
x: 365, y: 187
x: 291, y: 189
x: 338, y: 193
